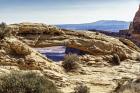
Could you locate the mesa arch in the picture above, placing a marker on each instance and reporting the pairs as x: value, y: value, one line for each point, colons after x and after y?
x: 42, y: 35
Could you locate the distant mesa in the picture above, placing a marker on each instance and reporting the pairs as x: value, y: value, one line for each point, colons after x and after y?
x: 104, y: 25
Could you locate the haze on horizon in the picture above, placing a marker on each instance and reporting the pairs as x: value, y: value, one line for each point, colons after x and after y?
x: 66, y: 11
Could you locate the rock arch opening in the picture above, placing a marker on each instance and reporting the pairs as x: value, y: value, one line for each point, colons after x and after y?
x: 57, y: 53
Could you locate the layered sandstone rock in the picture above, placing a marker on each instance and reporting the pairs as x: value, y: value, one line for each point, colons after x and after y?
x: 35, y: 28
x: 95, y: 70
x: 13, y: 52
x: 89, y: 42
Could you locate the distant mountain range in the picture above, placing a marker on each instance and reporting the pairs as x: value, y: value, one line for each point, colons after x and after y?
x: 105, y: 25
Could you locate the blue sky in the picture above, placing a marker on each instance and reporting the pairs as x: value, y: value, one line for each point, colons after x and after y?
x: 66, y: 11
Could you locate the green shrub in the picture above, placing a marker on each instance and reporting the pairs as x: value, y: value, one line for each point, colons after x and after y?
x: 27, y: 82
x: 82, y: 89
x: 115, y: 60
x: 70, y: 62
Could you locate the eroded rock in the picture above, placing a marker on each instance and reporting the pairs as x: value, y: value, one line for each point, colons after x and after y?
x: 89, y: 42
x: 96, y: 73
x: 16, y: 53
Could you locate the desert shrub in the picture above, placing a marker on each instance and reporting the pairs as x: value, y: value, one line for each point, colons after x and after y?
x: 70, y: 62
x: 3, y: 25
x: 129, y: 87
x: 81, y: 89
x: 27, y: 82
x: 97, y: 33
x: 115, y: 60
x: 138, y: 58
x: 4, y: 30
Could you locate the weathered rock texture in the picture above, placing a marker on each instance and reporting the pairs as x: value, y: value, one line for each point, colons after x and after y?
x: 90, y: 42
x: 13, y: 52
x: 96, y: 71
x: 34, y: 28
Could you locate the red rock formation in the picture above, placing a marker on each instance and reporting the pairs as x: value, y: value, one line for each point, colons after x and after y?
x: 133, y: 33
x: 136, y: 22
